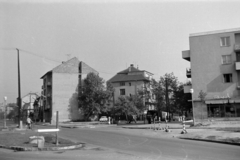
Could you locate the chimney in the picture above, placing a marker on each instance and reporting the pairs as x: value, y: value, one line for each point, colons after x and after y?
x: 129, y: 69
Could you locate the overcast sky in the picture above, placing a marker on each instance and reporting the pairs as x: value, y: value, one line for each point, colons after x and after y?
x: 108, y: 35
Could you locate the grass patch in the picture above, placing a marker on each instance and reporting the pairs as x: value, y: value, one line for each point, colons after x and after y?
x: 22, y: 139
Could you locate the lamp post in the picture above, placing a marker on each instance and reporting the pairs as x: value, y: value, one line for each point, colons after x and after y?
x: 191, y: 91
x: 19, y: 93
x: 5, y: 106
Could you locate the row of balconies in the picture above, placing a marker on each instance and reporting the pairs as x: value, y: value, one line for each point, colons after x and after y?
x: 187, y: 55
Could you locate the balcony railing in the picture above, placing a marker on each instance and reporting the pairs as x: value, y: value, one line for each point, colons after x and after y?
x: 237, y: 66
x: 237, y: 47
x: 188, y: 72
x: 186, y: 55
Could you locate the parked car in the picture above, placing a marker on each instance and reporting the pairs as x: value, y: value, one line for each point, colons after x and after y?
x: 103, y: 119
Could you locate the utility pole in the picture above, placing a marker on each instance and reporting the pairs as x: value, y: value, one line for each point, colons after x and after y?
x: 167, y: 100
x: 5, y: 108
x: 19, y: 93
x: 80, y: 80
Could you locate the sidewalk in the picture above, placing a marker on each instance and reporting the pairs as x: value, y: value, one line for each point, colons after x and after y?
x: 221, y: 133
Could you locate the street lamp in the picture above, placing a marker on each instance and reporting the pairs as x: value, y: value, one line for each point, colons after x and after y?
x: 5, y: 106
x: 191, y: 91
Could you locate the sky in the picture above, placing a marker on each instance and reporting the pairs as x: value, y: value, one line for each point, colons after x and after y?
x: 108, y: 35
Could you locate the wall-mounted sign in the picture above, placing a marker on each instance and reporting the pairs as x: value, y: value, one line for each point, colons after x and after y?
x: 221, y: 97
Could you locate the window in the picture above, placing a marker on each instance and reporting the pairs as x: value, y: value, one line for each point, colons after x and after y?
x: 227, y: 78
x: 122, y: 92
x: 122, y: 83
x: 226, y: 59
x: 224, y: 41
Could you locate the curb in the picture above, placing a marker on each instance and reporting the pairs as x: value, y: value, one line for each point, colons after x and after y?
x: 208, y: 140
x: 151, y: 127
x: 85, y: 126
x: 20, y: 148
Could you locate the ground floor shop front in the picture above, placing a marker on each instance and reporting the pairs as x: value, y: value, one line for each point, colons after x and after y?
x: 216, y: 109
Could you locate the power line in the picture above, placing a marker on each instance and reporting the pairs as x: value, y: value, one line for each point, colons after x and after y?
x: 32, y: 53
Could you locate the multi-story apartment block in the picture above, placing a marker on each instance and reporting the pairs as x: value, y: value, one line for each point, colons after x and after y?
x: 60, y: 90
x: 215, y: 70
x: 129, y: 81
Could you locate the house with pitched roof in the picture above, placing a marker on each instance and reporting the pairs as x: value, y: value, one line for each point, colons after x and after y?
x: 60, y: 90
x: 129, y: 81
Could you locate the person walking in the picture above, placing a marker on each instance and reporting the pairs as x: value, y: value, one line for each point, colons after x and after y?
x: 29, y: 122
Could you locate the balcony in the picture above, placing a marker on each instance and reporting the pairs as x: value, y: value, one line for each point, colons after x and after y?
x: 238, y: 87
x: 186, y: 55
x: 237, y: 66
x: 237, y: 47
x: 187, y: 88
x: 188, y: 72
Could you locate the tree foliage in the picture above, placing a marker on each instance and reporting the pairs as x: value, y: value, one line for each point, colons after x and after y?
x: 170, y: 96
x: 13, y: 110
x: 93, y: 96
x: 129, y: 105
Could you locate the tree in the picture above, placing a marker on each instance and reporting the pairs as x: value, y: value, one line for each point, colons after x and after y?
x: 129, y: 105
x: 182, y: 100
x: 13, y: 110
x: 157, y: 90
x: 93, y: 96
x: 169, y: 85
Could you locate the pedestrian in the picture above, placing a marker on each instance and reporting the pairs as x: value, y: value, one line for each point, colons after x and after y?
x: 29, y: 122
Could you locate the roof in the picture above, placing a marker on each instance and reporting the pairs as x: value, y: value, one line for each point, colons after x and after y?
x: 46, y: 74
x: 215, y: 32
x: 133, y: 69
x: 71, y: 66
x: 125, y: 77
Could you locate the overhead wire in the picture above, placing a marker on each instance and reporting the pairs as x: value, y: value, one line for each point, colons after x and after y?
x: 32, y: 53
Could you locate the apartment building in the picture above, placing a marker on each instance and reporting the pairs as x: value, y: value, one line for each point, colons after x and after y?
x: 60, y: 90
x: 215, y: 70
x: 129, y: 81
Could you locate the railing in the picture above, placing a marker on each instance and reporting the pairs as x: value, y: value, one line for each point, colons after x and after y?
x: 237, y: 47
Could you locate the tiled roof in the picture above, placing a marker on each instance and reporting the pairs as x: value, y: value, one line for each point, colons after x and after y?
x: 130, y: 69
x: 71, y: 66
x: 125, y: 77
x: 130, y: 74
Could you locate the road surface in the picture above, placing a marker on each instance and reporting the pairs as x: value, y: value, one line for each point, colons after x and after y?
x: 117, y: 143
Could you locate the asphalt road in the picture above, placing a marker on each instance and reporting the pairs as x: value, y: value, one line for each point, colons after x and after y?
x: 115, y: 143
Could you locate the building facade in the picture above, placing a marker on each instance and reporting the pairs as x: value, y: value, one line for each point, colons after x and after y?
x: 60, y: 90
x: 129, y: 81
x: 215, y: 71
x: 28, y: 105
